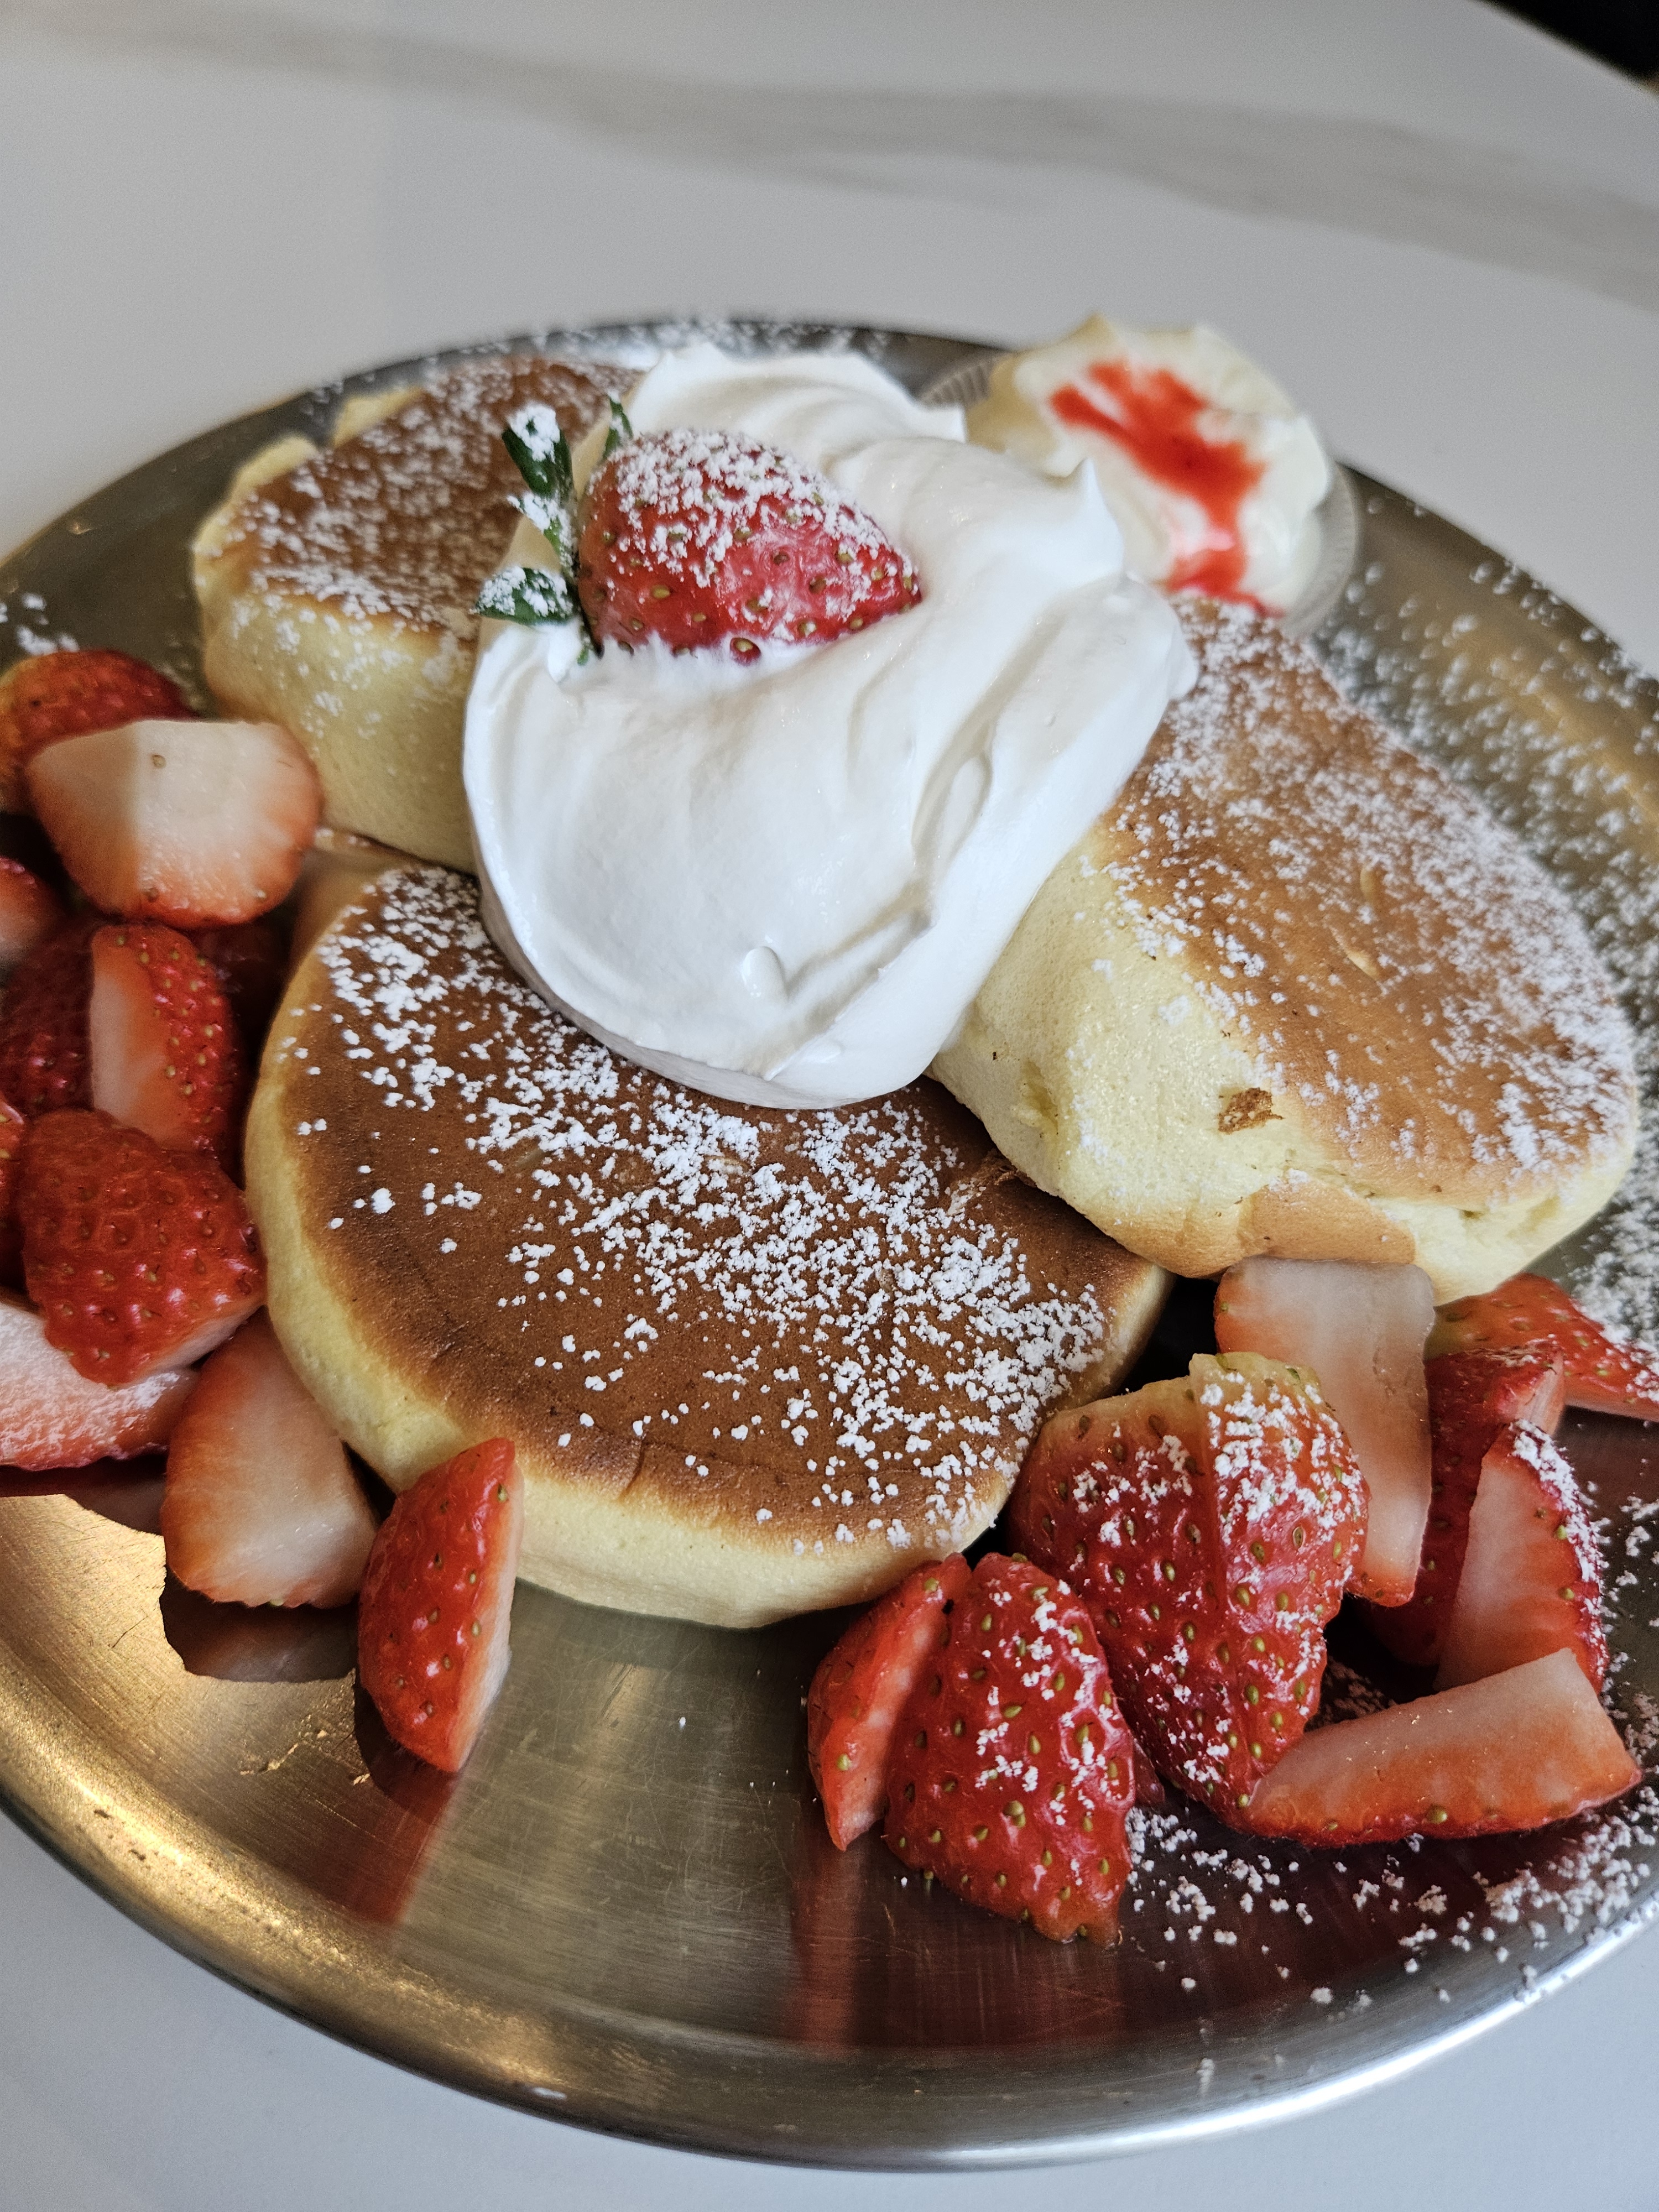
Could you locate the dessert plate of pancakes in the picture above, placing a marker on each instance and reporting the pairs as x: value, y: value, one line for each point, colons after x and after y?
x: 626, y: 1911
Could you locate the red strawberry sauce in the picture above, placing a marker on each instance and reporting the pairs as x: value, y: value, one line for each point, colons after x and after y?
x: 1154, y: 417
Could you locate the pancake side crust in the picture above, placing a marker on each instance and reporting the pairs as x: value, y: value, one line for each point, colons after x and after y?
x: 754, y: 1363
x: 1296, y: 992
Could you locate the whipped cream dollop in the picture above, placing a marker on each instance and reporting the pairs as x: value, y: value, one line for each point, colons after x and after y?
x: 1212, y: 473
x: 784, y: 880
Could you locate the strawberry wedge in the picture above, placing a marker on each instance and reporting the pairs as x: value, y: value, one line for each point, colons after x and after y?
x: 1472, y: 1396
x: 195, y: 823
x: 437, y: 1600
x: 164, y: 1052
x: 862, y: 1686
x: 1513, y: 1751
x: 1604, y: 1374
x: 260, y: 1506
x: 1532, y: 1572
x: 28, y: 912
x: 1361, y: 1329
x: 53, y: 1417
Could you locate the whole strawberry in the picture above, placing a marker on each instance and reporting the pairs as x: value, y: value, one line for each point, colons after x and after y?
x: 436, y: 1599
x: 165, y: 1053
x: 58, y: 695
x: 137, y: 1258
x: 1211, y: 1526
x: 701, y: 537
x: 1010, y: 1770
x: 43, y: 1022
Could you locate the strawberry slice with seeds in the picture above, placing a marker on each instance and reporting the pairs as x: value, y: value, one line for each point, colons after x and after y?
x: 250, y: 959
x: 862, y: 1686
x: 59, y: 695
x: 52, y: 1417
x: 42, y: 1023
x: 702, y: 538
x: 260, y: 1506
x: 1472, y: 1396
x: 1513, y: 1751
x: 1211, y: 1526
x: 437, y: 1598
x: 137, y: 1258
x: 12, y: 1126
x: 165, y: 1055
x: 1361, y: 1329
x: 1605, y: 1375
x: 1010, y: 1770
x: 1532, y: 1570
x: 29, y: 913
x: 202, y: 825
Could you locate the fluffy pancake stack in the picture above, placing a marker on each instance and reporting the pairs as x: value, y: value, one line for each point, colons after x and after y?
x: 336, y: 589
x: 1295, y: 993
x: 753, y: 1362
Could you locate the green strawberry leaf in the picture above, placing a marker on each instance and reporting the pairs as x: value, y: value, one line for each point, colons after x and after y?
x: 620, y: 432
x: 527, y: 595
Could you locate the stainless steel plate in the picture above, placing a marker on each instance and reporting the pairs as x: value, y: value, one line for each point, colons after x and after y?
x: 626, y: 1913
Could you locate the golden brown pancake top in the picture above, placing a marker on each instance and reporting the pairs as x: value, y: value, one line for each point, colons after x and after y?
x: 404, y: 521
x: 854, y: 1320
x: 1401, y: 966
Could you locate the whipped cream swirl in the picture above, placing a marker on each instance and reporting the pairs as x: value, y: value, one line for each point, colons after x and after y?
x: 784, y: 881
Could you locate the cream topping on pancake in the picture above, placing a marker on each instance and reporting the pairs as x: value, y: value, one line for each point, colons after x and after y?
x: 1395, y: 958
x: 782, y: 882
x: 404, y: 521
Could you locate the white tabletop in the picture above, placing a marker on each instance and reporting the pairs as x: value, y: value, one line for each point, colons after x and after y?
x: 1440, y: 230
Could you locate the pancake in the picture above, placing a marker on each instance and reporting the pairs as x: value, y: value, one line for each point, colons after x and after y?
x: 1295, y: 993
x: 336, y: 589
x: 753, y: 1362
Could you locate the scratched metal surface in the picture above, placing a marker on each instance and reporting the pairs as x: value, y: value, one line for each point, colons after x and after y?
x: 626, y: 1911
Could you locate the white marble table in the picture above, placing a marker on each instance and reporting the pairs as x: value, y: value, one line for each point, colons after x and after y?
x: 1440, y: 230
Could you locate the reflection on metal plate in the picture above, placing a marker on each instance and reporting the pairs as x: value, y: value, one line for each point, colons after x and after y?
x: 626, y: 1911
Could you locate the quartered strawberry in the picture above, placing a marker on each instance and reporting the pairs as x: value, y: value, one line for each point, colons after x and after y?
x: 1211, y: 1526
x: 164, y: 1050
x: 28, y: 912
x: 1512, y: 1751
x: 58, y: 695
x: 437, y: 1597
x: 862, y: 1686
x: 137, y: 1258
x: 703, y: 537
x: 53, y: 1417
x: 1472, y: 1396
x: 1604, y: 1374
x: 198, y: 823
x: 1361, y: 1330
x: 12, y: 1126
x: 43, y: 1022
x: 260, y: 1506
x: 1010, y: 1769
x: 1532, y: 1570
x: 250, y: 959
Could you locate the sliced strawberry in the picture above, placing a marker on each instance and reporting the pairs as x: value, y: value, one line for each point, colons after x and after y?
x: 198, y: 823
x: 261, y: 1506
x: 250, y: 959
x: 1472, y: 1396
x: 1211, y: 1526
x: 1513, y: 1751
x: 1605, y: 1375
x: 52, y: 1417
x: 1532, y: 1572
x: 29, y: 913
x: 43, y: 1022
x: 1361, y: 1329
x: 58, y: 695
x: 702, y: 538
x: 165, y: 1055
x: 137, y: 1258
x: 12, y: 1126
x: 1010, y: 1770
x: 437, y: 1597
x: 862, y: 1686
